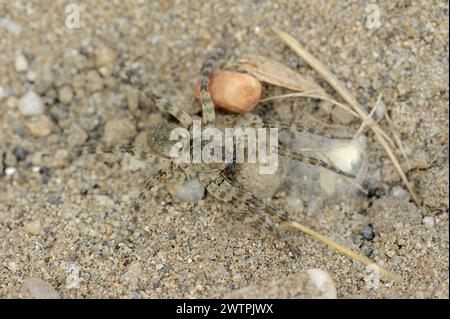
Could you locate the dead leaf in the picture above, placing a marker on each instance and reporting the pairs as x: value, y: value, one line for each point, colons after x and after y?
x: 276, y: 73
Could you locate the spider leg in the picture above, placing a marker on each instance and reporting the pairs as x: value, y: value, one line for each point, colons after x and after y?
x: 141, y: 155
x: 170, y: 175
x: 223, y: 189
x: 208, y: 112
x: 143, y: 195
x: 175, y: 110
x: 177, y: 177
x: 286, y: 152
x: 293, y: 128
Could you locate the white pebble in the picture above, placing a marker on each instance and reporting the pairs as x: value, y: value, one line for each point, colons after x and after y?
x: 31, y: 104
x: 10, y: 171
x: 323, y: 282
x: 35, y: 169
x: 12, y: 266
x: 2, y: 93
x: 10, y: 26
x: 296, y: 204
x: 191, y: 191
x: 104, y: 56
x: 21, y: 63
x: 346, y: 156
x: 40, y: 126
x: 65, y: 94
x: 349, y: 157
x: 33, y: 228
x: 105, y: 201
x: 400, y: 193
x: 131, y: 163
x: 36, y: 288
x: 31, y: 76
x: 428, y: 221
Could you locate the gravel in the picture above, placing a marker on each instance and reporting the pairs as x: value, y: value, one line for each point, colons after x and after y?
x: 35, y: 288
x: 31, y: 104
x: 119, y: 131
x: 65, y: 94
x: 21, y: 63
x: 85, y: 205
x: 40, y: 126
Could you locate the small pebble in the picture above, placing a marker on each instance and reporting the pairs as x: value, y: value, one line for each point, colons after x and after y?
x: 11, y: 102
x: 133, y: 99
x: 131, y: 163
x: 21, y: 63
x: 12, y: 266
x: 400, y: 193
x: 191, y: 191
x: 118, y: 131
x: 323, y: 282
x: 36, y: 288
x: 367, y: 232
x: 428, y: 221
x: 390, y: 253
x: 33, y: 228
x: 296, y: 204
x: 60, y: 157
x: 104, y: 56
x: 40, y: 126
x: 31, y: 76
x: 402, y: 90
x: 94, y: 82
x: 65, y: 94
x: 347, y: 156
x: 167, y: 268
x: 20, y: 153
x: 10, y: 26
x: 341, y: 115
x: 31, y: 104
x: 105, y: 201
x: 75, y: 135
x: 2, y: 93
x: 10, y: 171
x: 233, y: 91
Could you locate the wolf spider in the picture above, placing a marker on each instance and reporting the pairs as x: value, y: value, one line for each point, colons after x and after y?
x: 217, y: 177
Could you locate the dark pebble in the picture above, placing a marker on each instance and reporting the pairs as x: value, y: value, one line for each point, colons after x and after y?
x: 167, y: 268
x: 45, y: 172
x: 367, y: 232
x: 20, y: 153
x: 172, y: 235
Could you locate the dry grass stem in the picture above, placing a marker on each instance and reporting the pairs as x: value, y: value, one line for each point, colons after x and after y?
x: 344, y: 250
x: 345, y: 94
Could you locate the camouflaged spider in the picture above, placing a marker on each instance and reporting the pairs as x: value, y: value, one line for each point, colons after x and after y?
x: 217, y: 177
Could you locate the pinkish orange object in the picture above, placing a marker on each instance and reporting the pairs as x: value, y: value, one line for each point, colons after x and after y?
x: 233, y: 91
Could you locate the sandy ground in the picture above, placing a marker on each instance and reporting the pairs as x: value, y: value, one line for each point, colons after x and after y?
x: 68, y: 220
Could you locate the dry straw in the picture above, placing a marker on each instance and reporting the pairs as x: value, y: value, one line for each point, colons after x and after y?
x: 332, y: 80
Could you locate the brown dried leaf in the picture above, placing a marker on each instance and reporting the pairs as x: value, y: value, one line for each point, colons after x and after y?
x: 276, y: 73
